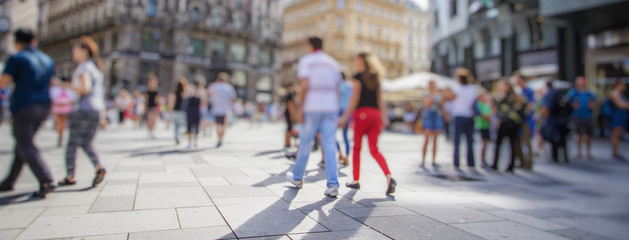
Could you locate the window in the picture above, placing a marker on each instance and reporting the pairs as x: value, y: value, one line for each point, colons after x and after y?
x: 323, y: 7
x: 114, y: 41
x: 369, y: 9
x: 196, y: 47
x: 322, y: 27
x: 359, y: 26
x: 149, y: 42
x: 217, y: 18
x: 151, y: 11
x: 239, y: 79
x: 218, y: 49
x: 378, y: 12
x: 194, y: 15
x: 238, y: 52
x: 358, y: 6
x: 265, y: 58
x: 436, y: 18
x: 340, y: 4
x: 339, y: 44
x: 453, y: 8
x: 238, y: 21
x: 359, y: 44
x: 339, y: 23
x: 370, y: 29
x: 264, y: 84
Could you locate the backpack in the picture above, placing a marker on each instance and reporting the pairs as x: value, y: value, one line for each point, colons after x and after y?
x: 562, y: 106
x: 607, y: 109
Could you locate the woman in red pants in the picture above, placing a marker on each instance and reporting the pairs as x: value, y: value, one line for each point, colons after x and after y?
x: 368, y: 109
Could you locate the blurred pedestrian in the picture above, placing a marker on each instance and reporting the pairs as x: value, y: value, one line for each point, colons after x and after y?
x: 196, y: 100
x: 208, y: 119
x: 368, y: 111
x: 5, y: 93
x: 557, y: 110
x: 618, y: 123
x: 482, y: 124
x: 62, y: 105
x: 526, y: 157
x: 222, y: 96
x: 463, y: 99
x: 346, y: 89
x: 122, y: 103
x: 289, y: 113
x: 432, y: 120
x: 447, y: 117
x: 138, y: 108
x: 87, y: 81
x: 410, y: 118
x: 31, y: 71
x: 510, y: 112
x: 318, y: 109
x: 152, y: 107
x: 583, y: 102
x: 176, y: 107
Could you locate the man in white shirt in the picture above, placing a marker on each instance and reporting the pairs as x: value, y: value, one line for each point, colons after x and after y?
x: 222, y: 96
x: 463, y: 100
x: 318, y: 109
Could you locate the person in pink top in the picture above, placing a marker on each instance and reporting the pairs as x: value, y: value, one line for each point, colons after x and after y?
x: 62, y: 105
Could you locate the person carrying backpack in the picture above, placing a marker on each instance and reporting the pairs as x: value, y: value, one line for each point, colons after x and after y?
x: 556, y: 111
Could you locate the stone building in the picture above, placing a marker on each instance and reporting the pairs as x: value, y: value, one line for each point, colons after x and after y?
x: 14, y: 15
x: 347, y: 27
x: 172, y: 38
x: 416, y: 44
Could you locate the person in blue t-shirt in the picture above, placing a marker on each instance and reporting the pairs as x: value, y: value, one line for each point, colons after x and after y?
x: 31, y: 71
x: 526, y: 160
x: 583, y: 102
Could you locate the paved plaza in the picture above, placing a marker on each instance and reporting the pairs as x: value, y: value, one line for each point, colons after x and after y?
x: 155, y: 190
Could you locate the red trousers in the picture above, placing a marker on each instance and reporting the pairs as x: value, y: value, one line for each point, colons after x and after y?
x: 367, y: 120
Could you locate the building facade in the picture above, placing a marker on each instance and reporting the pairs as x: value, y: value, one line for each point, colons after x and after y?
x: 171, y: 38
x: 347, y: 27
x: 14, y: 15
x: 493, y: 38
x: 416, y: 43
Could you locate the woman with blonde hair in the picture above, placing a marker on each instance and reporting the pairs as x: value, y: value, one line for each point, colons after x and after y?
x: 369, y: 111
x: 87, y: 81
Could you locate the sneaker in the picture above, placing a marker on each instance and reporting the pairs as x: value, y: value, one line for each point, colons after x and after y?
x: 321, y: 164
x: 297, y: 183
x: 219, y: 144
x: 332, y: 192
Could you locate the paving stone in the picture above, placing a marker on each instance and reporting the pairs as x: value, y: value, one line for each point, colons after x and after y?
x: 506, y: 230
x: 222, y: 232
x: 549, y: 213
x: 101, y: 224
x: 113, y: 204
x: 207, y: 171
x: 118, y: 190
x: 104, y: 237
x: 480, y: 206
x: 264, y: 220
x: 362, y: 233
x: 576, y: 234
x: 200, y: 217
x: 237, y: 191
x: 153, y: 198
x: 67, y: 210
x: 213, y: 181
x: 528, y: 220
x: 158, y: 177
x: 9, y: 234
x: 334, y: 220
x: 453, y: 214
x: 596, y: 225
x: 18, y: 218
x: 429, y: 198
x: 376, y: 211
x: 245, y: 200
x: 415, y: 227
x: 169, y: 185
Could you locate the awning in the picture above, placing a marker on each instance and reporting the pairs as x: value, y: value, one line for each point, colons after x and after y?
x: 539, y: 70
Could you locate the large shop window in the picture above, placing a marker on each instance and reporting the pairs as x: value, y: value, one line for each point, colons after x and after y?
x: 196, y: 47
x: 218, y: 49
x: 149, y: 42
x: 238, y: 52
x: 151, y: 11
x: 265, y: 58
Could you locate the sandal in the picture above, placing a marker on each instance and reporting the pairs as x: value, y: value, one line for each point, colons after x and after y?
x: 44, y: 190
x: 66, y: 182
x: 100, y: 176
x: 343, y: 161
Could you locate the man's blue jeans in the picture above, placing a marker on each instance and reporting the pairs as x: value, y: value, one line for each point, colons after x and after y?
x: 326, y: 124
x: 464, y: 125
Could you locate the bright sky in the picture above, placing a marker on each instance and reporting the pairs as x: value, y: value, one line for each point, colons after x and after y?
x: 422, y: 3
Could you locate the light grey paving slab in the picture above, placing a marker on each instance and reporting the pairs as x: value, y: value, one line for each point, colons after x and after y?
x: 110, y: 190
x: 200, y: 217
x: 264, y: 220
x: 453, y: 213
x: 101, y: 224
x: 237, y: 191
x: 169, y: 185
x: 596, y: 225
x: 213, y: 181
x: 113, y: 204
x: 66, y: 210
x: 429, y: 198
x: 506, y: 230
x: 207, y: 171
x: 334, y: 220
x: 376, y: 211
x: 480, y: 206
x: 549, y: 213
x: 165, y: 177
x: 18, y: 218
x: 153, y: 198
x: 104, y: 237
x: 245, y: 200
x: 9, y: 234
x: 326, y: 204
x: 139, y: 168
x: 527, y: 220
x: 415, y: 227
x: 577, y: 234
x: 222, y: 232
x: 122, y: 175
x: 362, y: 233
x: 57, y: 199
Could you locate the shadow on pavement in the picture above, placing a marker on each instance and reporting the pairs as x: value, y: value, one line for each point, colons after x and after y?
x: 11, y: 199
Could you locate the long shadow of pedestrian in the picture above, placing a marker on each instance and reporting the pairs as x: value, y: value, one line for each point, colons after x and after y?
x: 16, y: 198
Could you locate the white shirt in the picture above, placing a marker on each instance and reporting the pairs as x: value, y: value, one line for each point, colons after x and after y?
x: 463, y: 104
x: 95, y: 100
x: 222, y: 95
x: 324, y: 77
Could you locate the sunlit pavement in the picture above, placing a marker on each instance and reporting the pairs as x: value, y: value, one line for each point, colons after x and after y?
x: 156, y: 190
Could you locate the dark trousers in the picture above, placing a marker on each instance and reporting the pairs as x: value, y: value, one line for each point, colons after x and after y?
x: 83, y: 127
x: 560, y: 143
x: 464, y: 125
x: 507, y: 129
x: 26, y: 122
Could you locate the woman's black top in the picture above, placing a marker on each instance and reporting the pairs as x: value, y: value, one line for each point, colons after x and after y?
x: 368, y: 97
x: 151, y: 103
x: 178, y: 100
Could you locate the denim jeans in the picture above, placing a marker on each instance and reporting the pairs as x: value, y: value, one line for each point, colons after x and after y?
x: 179, y: 120
x: 464, y: 125
x: 326, y: 124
